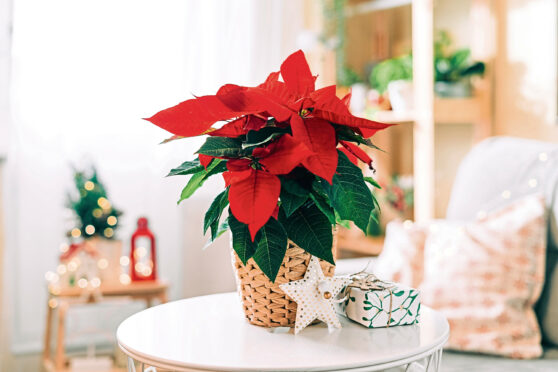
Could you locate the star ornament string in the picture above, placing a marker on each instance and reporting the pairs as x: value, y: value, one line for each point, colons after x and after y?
x: 315, y: 297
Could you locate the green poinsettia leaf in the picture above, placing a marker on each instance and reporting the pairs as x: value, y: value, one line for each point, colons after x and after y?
x: 220, y: 231
x: 242, y: 242
x: 291, y: 202
x: 214, y: 229
x: 188, y: 167
x: 264, y: 135
x: 372, y: 182
x: 376, y: 204
x: 272, y: 246
x: 223, y: 228
x: 348, y: 193
x: 324, y: 207
x: 347, y: 134
x: 320, y: 199
x: 345, y: 223
x: 193, y: 184
x: 213, y: 214
x: 310, y: 229
x: 293, y: 187
x: 197, y: 180
x: 374, y: 218
x: 221, y: 146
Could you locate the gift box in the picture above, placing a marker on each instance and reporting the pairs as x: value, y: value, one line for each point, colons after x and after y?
x: 375, y: 303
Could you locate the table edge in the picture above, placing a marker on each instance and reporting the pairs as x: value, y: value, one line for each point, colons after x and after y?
x: 195, y: 368
x: 168, y: 364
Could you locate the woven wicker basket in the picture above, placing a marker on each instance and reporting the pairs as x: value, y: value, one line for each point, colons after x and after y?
x: 264, y: 303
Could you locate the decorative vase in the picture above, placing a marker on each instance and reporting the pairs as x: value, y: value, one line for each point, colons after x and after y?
x: 401, y: 95
x: 263, y: 302
x: 459, y: 89
x: 358, y: 97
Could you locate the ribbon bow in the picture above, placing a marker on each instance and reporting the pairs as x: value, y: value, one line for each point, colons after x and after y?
x: 370, y: 282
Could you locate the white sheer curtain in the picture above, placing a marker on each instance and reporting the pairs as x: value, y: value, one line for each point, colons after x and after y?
x: 84, y: 73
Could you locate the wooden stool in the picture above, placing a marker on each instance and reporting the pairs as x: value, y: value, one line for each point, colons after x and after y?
x: 61, y: 300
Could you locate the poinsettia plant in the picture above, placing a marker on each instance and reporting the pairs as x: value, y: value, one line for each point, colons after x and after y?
x: 288, y: 154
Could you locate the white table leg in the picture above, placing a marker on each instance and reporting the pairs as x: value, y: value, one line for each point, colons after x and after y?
x: 439, y: 365
x: 131, y: 365
x: 434, y: 361
x: 431, y: 363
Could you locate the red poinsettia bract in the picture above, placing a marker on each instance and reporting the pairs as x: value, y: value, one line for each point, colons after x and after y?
x: 303, y: 125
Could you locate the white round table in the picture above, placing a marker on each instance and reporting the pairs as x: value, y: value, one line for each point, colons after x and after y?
x: 210, y: 333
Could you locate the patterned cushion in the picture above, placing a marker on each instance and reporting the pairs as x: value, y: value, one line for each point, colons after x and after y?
x: 402, y: 258
x: 485, y: 276
x: 502, y: 169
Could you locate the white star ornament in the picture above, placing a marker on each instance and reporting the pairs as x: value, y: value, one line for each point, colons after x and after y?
x: 315, y: 296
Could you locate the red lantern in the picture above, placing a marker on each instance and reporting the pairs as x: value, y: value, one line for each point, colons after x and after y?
x: 143, y: 261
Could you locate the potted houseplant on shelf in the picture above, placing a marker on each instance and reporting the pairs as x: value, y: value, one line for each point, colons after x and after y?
x: 395, y: 76
x: 453, y: 69
x: 288, y: 154
x: 96, y: 221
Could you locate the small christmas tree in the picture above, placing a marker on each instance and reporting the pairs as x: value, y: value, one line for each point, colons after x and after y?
x: 96, y: 217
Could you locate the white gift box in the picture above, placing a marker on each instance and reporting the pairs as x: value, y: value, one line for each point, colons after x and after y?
x: 375, y: 303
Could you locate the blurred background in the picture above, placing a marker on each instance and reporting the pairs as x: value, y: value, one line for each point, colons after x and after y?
x: 77, y: 77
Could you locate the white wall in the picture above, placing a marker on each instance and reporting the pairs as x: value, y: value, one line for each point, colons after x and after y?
x: 84, y: 74
x: 81, y: 85
x: 525, y: 68
x: 525, y: 61
x: 5, y: 30
x: 260, y: 36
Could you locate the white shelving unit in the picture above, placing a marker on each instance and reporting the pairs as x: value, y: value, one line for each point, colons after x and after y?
x: 432, y: 117
x: 423, y: 116
x: 374, y: 6
x: 430, y: 111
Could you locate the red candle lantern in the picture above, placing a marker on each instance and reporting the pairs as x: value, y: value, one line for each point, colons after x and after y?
x: 143, y: 261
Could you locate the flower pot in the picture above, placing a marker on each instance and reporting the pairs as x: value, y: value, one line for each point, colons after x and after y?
x: 401, y: 95
x: 263, y: 302
x: 358, y: 97
x: 458, y: 89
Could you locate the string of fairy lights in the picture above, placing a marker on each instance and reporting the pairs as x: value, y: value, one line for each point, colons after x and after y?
x: 90, y: 230
x: 65, y: 271
x: 92, y: 256
x: 95, y: 214
x: 62, y: 277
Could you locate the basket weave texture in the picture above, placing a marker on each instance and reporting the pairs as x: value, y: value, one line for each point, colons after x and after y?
x: 264, y: 303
